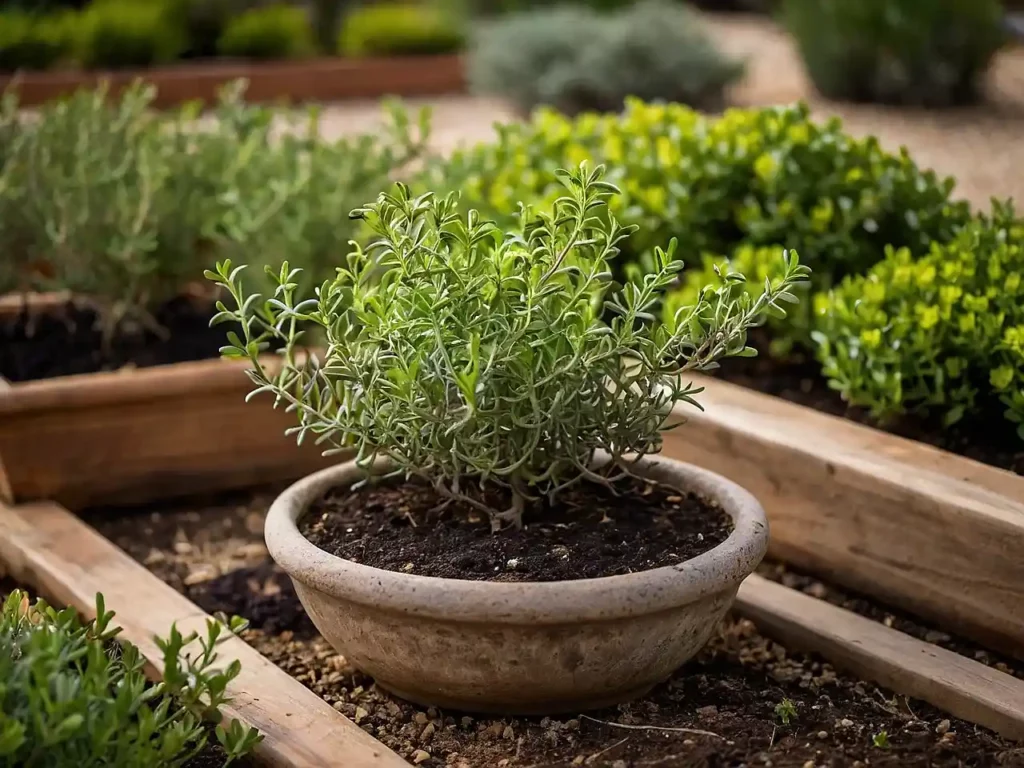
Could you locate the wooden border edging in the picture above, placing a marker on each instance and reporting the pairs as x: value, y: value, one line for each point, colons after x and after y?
x: 47, y: 548
x: 310, y: 80
x: 953, y: 683
x: 914, y: 526
x: 146, y: 434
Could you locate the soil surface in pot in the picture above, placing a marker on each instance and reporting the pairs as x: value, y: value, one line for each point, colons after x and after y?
x: 211, y: 756
x: 988, y: 438
x: 42, y: 345
x: 590, y: 531
x: 743, y: 701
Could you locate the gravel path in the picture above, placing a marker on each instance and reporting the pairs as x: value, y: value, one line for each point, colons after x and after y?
x: 982, y: 146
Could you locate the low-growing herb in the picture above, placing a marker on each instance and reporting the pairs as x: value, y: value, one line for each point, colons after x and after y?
x: 477, y: 358
x: 72, y: 694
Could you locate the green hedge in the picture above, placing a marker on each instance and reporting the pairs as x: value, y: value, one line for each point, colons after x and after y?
x: 126, y: 33
x: 916, y: 52
x: 271, y: 32
x: 397, y: 29
x: 31, y: 41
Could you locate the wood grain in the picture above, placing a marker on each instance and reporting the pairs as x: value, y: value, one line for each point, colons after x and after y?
x: 138, y: 435
x: 311, y: 80
x: 50, y: 550
x: 963, y: 687
x: 916, y: 527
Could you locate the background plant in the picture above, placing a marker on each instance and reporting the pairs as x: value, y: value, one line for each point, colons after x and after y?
x: 577, y: 58
x: 272, y: 32
x: 32, y: 41
x: 125, y: 33
x: 744, y: 185
x: 475, y: 358
x: 123, y: 206
x: 940, y: 335
x: 73, y: 695
x: 897, y: 51
x: 402, y: 28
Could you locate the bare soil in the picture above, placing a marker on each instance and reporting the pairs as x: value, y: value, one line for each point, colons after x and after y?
x: 744, y: 701
x: 591, y: 531
x: 41, y: 345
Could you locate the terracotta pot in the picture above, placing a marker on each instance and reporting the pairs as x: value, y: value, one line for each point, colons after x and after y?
x: 520, y: 648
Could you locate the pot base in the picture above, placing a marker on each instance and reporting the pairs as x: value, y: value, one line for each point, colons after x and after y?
x: 536, y: 708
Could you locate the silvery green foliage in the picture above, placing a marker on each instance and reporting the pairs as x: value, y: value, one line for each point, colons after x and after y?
x: 579, y: 59
x: 478, y: 359
x: 123, y: 206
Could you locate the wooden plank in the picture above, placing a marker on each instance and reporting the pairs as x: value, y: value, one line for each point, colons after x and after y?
x: 47, y: 548
x: 963, y: 687
x: 151, y: 433
x: 309, y: 80
x: 916, y: 527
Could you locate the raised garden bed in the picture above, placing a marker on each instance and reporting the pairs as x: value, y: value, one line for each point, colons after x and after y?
x: 722, y: 706
x: 313, y: 80
x: 921, y: 528
x: 127, y: 433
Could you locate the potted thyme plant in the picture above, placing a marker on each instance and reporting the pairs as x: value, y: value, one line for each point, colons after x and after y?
x: 505, y: 537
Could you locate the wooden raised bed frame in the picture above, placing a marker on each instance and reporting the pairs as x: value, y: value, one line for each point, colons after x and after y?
x: 310, y: 80
x: 49, y: 549
x: 937, y: 534
x: 140, y: 435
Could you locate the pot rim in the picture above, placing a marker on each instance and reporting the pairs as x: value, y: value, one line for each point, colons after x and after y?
x: 720, y: 569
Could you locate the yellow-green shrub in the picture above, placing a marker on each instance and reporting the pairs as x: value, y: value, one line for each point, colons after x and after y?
x: 35, y: 41
x: 395, y: 29
x: 939, y: 335
x: 757, y: 177
x: 272, y: 32
x: 126, y: 33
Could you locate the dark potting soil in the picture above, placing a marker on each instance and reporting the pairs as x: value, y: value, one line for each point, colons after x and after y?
x: 590, y: 531
x: 42, y: 345
x: 793, y: 578
x: 987, y: 438
x: 743, y: 701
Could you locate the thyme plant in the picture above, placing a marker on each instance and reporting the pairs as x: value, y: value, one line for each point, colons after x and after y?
x: 480, y: 360
x: 71, y: 694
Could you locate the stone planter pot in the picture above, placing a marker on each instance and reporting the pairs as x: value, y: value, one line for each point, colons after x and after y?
x: 520, y: 648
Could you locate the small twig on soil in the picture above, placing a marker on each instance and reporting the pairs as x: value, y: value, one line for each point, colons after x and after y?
x: 606, y: 750
x: 692, y: 731
x: 772, y: 742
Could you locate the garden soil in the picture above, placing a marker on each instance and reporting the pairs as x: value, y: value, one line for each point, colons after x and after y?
x: 743, y: 701
x: 41, y: 345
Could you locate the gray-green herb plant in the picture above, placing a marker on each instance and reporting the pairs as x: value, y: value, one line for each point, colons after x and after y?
x: 122, y: 207
x: 72, y: 694
x: 479, y: 359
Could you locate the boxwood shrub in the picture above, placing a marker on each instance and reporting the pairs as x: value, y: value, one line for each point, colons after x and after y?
x: 939, y: 335
x: 400, y: 29
x: 271, y: 32
x: 751, y: 179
